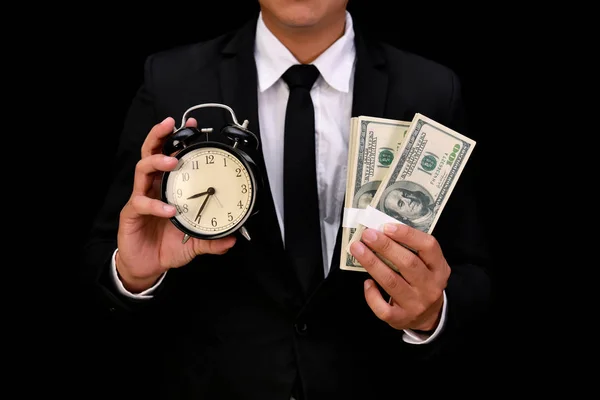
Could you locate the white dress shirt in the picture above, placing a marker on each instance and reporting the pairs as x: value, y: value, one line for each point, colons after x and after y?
x: 332, y: 99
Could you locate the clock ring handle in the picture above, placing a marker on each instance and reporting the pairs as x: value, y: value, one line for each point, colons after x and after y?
x: 242, y: 134
x: 219, y: 105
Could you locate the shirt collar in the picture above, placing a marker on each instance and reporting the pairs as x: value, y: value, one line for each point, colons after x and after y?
x: 273, y: 58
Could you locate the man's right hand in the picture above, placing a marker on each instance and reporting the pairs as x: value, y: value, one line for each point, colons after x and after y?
x: 148, y: 243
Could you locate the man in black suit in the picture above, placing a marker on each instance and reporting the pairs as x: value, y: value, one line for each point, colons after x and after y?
x: 227, y: 318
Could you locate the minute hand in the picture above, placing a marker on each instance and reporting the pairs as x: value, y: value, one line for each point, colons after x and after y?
x: 202, y: 208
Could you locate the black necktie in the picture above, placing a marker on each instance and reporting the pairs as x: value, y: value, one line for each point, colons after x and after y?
x: 301, y: 203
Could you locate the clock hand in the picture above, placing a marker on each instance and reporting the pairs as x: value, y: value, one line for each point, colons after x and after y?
x: 197, y: 195
x: 218, y: 201
x: 202, y: 208
x: 210, y: 191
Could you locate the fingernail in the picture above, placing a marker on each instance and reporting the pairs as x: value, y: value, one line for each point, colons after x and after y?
x: 165, y: 120
x: 168, y: 158
x: 390, y: 228
x: 168, y: 208
x: 357, y: 249
x: 368, y: 284
x: 369, y: 235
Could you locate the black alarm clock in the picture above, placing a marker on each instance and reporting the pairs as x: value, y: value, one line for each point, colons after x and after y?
x: 215, y: 185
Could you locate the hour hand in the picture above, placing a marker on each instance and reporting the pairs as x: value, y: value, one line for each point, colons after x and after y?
x: 197, y: 195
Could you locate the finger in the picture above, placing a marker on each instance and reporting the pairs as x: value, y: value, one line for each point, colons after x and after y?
x: 218, y: 246
x: 390, y: 281
x: 146, y: 169
x: 424, y: 244
x: 142, y: 205
x: 153, y: 142
x: 392, y: 314
x: 408, y: 264
x: 191, y: 123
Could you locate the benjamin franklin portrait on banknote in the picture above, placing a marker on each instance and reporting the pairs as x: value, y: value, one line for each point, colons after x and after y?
x: 409, y: 203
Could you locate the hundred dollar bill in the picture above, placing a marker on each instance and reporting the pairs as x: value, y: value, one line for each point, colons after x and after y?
x: 420, y: 180
x: 373, y: 145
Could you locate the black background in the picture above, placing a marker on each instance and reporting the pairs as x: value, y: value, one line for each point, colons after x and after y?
x: 101, y: 59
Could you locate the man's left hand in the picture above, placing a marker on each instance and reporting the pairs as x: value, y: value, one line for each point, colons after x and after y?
x: 417, y: 289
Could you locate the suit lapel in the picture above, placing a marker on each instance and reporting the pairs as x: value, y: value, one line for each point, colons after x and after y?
x: 238, y: 81
x: 370, y: 79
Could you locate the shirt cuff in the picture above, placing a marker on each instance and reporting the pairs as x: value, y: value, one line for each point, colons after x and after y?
x: 413, y: 337
x: 145, y: 295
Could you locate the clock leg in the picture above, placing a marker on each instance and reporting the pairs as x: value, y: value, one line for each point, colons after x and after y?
x: 186, y: 237
x: 245, y: 233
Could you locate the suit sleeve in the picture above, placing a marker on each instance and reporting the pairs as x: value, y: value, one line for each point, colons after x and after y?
x: 102, y: 239
x: 463, y: 239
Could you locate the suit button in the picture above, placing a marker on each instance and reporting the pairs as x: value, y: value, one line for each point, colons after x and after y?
x: 301, y: 328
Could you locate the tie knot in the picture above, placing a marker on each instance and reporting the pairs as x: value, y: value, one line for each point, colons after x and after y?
x: 301, y: 75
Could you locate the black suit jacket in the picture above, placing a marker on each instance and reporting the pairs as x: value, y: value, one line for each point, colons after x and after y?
x: 236, y: 326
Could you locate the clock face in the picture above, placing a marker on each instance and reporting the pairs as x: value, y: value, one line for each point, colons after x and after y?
x: 212, y: 189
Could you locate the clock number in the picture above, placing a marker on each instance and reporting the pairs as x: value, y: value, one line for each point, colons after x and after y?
x: 213, y: 221
x: 195, y: 164
x: 185, y: 176
x: 238, y: 172
x: 179, y: 192
x: 240, y: 205
x: 229, y: 216
x: 182, y: 209
x: 244, y: 188
x: 210, y: 159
